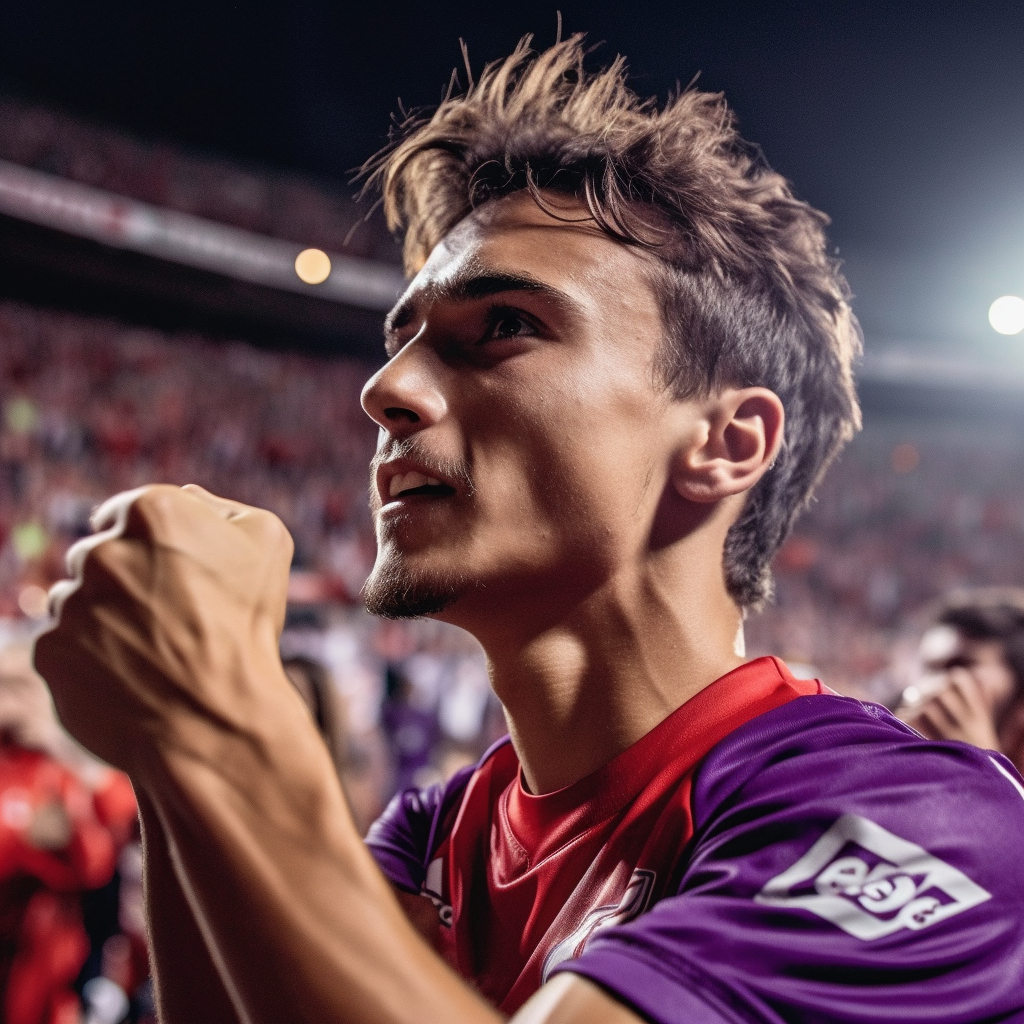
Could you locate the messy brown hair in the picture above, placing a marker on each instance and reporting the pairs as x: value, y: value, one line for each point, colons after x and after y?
x: 748, y: 292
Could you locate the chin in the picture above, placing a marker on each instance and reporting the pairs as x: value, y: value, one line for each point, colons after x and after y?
x: 395, y: 590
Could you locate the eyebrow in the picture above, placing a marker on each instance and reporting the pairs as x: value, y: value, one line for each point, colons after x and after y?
x: 471, y: 285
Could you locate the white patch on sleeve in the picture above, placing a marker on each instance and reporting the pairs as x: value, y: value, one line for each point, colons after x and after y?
x: 433, y: 889
x: 872, y: 883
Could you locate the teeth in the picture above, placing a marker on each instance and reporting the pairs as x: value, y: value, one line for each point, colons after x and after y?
x: 407, y: 481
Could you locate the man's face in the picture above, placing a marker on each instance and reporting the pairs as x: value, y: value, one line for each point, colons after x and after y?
x: 522, y: 450
x: 944, y: 648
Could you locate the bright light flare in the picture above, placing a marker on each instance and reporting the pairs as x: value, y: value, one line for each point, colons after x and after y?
x: 1006, y: 315
x: 313, y: 266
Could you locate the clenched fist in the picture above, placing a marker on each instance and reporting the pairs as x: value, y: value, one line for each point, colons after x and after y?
x: 166, y: 635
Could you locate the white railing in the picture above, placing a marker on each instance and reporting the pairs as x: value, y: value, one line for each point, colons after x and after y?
x: 82, y: 210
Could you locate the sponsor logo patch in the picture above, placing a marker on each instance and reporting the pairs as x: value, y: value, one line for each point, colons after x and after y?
x: 872, y: 883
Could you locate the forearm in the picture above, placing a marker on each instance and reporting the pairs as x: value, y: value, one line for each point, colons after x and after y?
x: 163, y: 660
x: 189, y: 989
x: 300, y: 918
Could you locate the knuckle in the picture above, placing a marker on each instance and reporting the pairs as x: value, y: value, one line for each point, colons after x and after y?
x: 111, y: 514
x: 153, y: 511
x: 273, y: 531
x: 98, y: 568
x: 154, y: 501
x: 76, y: 555
x: 99, y: 559
x: 86, y: 552
x: 59, y: 595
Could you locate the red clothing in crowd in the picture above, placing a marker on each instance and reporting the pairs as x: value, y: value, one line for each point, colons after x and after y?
x: 43, y: 943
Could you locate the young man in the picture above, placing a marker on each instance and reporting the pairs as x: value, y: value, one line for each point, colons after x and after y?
x: 621, y: 366
x: 971, y: 686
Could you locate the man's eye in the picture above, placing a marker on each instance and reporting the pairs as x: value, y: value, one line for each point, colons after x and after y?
x: 509, y: 325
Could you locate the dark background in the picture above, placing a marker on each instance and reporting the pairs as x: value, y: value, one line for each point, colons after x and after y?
x: 903, y: 121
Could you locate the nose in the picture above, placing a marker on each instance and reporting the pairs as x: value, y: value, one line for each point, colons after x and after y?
x: 404, y: 396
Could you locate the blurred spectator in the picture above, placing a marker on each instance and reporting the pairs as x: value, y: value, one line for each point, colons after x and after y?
x: 971, y: 686
x: 917, y: 507
x: 410, y: 721
x: 314, y: 686
x: 63, y: 819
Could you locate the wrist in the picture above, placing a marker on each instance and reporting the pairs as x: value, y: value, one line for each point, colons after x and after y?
x: 245, y: 722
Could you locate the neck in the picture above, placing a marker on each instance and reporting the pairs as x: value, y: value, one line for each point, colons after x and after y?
x: 579, y: 691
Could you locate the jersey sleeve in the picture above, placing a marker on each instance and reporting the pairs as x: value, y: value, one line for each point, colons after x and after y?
x: 407, y: 833
x: 842, y: 870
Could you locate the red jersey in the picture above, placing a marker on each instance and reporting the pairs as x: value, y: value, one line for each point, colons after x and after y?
x: 522, y: 881
x: 42, y: 941
x: 770, y: 852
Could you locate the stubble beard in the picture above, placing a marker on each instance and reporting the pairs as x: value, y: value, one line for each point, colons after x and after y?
x: 394, y: 591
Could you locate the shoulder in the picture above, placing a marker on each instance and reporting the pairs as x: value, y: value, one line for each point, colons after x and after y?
x: 826, y: 770
x: 415, y: 823
x: 826, y: 746
x: 842, y: 867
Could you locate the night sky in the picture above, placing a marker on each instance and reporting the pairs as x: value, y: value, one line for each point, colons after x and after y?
x: 904, y: 121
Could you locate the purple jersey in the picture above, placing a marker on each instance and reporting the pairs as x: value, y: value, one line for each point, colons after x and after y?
x: 840, y: 869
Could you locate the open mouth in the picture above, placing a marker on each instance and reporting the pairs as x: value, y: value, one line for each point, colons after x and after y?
x: 405, y: 485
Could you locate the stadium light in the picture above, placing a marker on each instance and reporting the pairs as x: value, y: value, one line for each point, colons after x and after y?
x: 313, y: 266
x: 1006, y: 314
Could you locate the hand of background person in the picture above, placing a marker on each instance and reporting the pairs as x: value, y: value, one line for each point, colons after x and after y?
x: 167, y: 633
x: 957, y: 710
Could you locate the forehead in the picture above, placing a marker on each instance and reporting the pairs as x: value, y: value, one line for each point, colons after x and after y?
x: 561, y: 247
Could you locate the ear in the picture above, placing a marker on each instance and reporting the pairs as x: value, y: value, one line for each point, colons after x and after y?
x: 739, y: 433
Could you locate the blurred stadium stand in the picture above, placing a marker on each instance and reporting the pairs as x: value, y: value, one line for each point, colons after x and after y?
x: 136, y: 281
x: 95, y: 220
x: 152, y: 327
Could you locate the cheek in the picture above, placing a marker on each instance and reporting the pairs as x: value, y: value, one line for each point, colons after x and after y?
x: 576, y: 466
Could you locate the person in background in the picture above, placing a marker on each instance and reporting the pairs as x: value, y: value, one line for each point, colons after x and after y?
x: 971, y: 686
x: 314, y: 684
x: 64, y: 817
x: 361, y: 767
x: 411, y: 727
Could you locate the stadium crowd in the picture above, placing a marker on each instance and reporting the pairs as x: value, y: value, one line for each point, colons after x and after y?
x: 262, y: 200
x: 916, y: 508
x: 92, y: 407
x: 89, y: 407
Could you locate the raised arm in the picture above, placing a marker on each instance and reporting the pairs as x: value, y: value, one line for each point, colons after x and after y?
x: 164, y: 662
